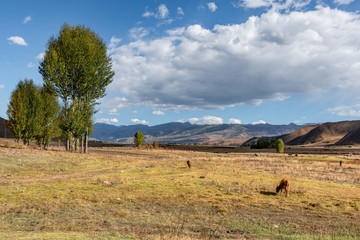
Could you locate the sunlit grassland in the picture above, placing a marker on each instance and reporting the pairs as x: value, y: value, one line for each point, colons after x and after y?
x: 153, y: 195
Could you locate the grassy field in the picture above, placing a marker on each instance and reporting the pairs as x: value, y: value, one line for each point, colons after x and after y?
x: 128, y: 193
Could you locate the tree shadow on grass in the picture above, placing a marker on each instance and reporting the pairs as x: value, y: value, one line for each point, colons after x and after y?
x: 267, y: 193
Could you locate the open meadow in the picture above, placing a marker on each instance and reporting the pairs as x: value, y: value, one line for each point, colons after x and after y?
x: 129, y: 193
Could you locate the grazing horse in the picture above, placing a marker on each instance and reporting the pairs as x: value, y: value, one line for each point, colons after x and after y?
x: 284, y: 184
x: 189, y: 163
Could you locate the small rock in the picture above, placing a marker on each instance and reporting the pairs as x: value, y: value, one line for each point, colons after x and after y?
x: 202, y: 176
x: 275, y: 226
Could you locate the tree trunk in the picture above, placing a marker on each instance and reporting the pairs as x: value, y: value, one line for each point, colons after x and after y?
x: 67, y: 145
x: 82, y: 144
x: 86, y: 140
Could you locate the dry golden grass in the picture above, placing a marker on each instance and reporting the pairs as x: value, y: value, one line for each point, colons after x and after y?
x: 151, y: 194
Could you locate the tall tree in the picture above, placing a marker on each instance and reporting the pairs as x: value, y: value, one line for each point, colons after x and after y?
x: 24, y: 111
x: 139, y: 139
x: 77, y: 68
x: 50, y: 118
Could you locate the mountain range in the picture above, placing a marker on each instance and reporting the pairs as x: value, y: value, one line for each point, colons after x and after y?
x: 176, y: 132
x: 331, y: 133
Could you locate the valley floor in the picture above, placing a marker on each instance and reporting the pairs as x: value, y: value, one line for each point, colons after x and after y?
x: 128, y: 193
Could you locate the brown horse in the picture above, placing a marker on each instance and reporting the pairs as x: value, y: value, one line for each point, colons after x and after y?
x: 284, y: 184
x: 189, y: 163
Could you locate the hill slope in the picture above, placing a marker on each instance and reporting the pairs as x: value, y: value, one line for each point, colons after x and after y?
x: 326, y: 133
x: 188, y: 133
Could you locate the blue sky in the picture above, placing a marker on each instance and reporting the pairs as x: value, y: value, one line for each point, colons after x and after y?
x: 216, y: 61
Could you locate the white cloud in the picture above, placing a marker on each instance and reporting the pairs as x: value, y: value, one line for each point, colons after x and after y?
x: 346, y: 111
x: 116, y: 102
x: 340, y: 2
x: 258, y: 122
x: 17, y: 40
x: 234, y: 121
x: 252, y: 3
x: 267, y: 57
x: 212, y: 6
x: 138, y: 32
x: 107, y: 120
x: 180, y: 11
x: 2, y: 86
x: 40, y: 56
x: 158, y: 113
x: 114, y: 42
x: 31, y: 65
x: 135, y: 112
x: 113, y: 111
x: 148, y: 14
x: 273, y: 4
x: 204, y: 120
x: 27, y: 19
x: 138, y: 121
x: 163, y: 12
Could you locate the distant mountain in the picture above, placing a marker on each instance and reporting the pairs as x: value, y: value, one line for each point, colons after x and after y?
x: 176, y: 132
x: 4, y: 130
x: 331, y: 133
x: 326, y: 133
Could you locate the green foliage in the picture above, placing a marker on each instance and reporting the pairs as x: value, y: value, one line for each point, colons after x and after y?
x: 33, y: 113
x: 24, y: 111
x: 77, y: 69
x: 50, y: 118
x: 279, y: 146
x: 139, y: 139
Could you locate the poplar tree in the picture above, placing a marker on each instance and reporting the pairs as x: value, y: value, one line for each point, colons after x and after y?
x: 77, y: 68
x: 139, y: 139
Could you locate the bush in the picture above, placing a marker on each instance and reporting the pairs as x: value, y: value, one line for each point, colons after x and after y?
x: 155, y: 144
x: 139, y: 139
x: 279, y: 146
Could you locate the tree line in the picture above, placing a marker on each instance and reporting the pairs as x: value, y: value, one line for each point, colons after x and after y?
x: 76, y: 71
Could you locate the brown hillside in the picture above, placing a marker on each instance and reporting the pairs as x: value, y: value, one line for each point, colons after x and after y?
x: 351, y: 138
x: 327, y: 133
x: 300, y: 132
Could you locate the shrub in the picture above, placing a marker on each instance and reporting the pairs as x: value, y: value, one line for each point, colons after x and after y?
x: 139, y: 139
x: 279, y: 146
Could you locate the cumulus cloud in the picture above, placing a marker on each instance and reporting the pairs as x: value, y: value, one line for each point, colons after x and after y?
x: 267, y: 57
x: 340, y: 2
x: 258, y: 122
x: 180, y: 11
x: 204, y: 120
x: 27, y: 19
x: 113, y: 111
x: 116, y: 102
x: 138, y: 32
x: 2, y: 86
x: 114, y: 42
x: 138, y: 121
x: 161, y: 13
x: 273, y: 4
x: 17, y: 40
x: 107, y: 120
x: 212, y: 6
x: 234, y: 121
x: 346, y: 111
x: 158, y: 113
x: 40, y: 56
